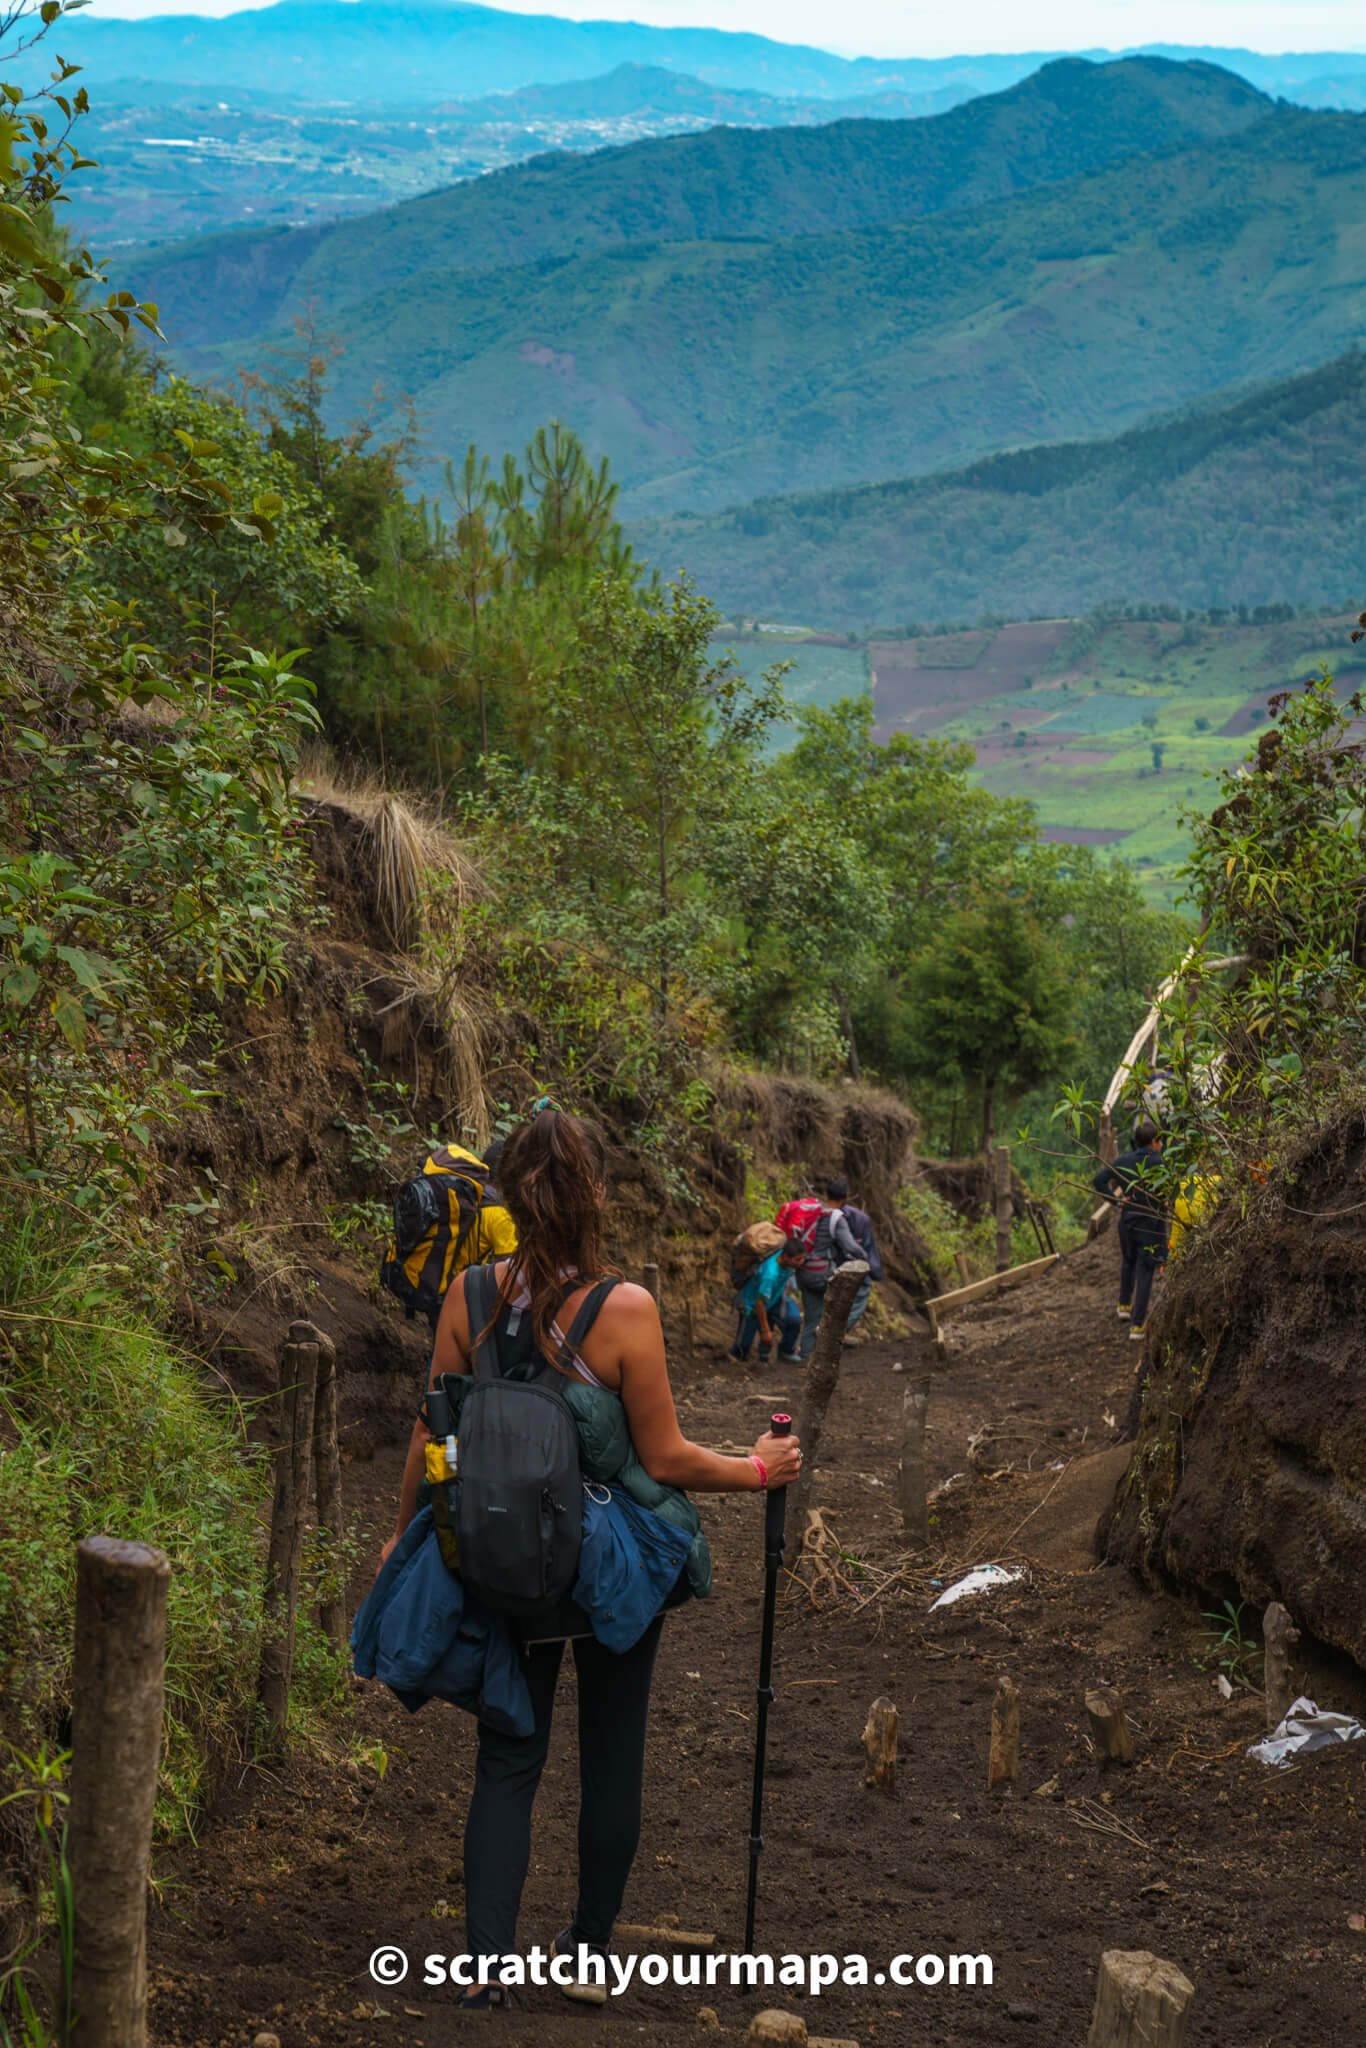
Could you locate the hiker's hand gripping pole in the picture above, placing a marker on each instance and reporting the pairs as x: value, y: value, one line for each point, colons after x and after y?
x: 775, y: 1531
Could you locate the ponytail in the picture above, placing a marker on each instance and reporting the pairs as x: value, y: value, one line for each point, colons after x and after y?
x: 551, y: 1179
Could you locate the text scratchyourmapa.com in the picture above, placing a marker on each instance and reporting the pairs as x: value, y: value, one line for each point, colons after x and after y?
x: 689, y: 1971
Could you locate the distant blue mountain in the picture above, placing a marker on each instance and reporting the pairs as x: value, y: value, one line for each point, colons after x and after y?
x: 418, y: 50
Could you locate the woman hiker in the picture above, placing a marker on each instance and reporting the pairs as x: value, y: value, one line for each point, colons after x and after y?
x: 551, y: 1178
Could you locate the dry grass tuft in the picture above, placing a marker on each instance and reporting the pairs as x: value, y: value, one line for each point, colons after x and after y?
x: 415, y: 860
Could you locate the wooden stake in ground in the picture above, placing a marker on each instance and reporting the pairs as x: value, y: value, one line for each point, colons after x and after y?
x: 327, y: 1483
x: 1280, y: 1636
x: 824, y: 1370
x: 1141, y: 2002
x: 1005, y: 1207
x: 1109, y: 1725
x: 913, y: 1493
x: 649, y: 1280
x: 298, y: 1389
x: 879, y: 1743
x: 116, y: 1746
x: 1003, y: 1765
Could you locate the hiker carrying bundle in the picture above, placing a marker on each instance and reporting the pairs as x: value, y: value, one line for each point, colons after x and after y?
x: 447, y: 1218
x: 552, y: 1176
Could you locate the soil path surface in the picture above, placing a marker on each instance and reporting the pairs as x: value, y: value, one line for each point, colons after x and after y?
x: 1249, y: 1879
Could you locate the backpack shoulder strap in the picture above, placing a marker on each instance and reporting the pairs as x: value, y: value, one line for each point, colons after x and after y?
x: 589, y: 1310
x: 481, y: 1306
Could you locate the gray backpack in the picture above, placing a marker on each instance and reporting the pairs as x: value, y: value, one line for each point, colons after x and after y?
x: 520, y: 1491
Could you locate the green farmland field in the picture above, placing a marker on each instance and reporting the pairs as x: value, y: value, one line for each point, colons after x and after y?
x: 1111, y: 728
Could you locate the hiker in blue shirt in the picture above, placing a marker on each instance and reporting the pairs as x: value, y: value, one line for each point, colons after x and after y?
x: 770, y: 1296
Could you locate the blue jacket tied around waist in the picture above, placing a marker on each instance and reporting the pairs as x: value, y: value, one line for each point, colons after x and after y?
x: 420, y: 1635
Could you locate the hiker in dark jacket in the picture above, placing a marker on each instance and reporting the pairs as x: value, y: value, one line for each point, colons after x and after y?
x: 1130, y: 1181
x: 861, y: 1224
x: 832, y: 1244
x: 552, y: 1179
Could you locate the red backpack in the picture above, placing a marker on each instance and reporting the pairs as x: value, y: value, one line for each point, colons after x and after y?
x: 799, y: 1219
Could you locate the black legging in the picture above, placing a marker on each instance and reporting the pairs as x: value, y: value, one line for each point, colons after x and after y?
x: 1142, y: 1249
x: 614, y: 1701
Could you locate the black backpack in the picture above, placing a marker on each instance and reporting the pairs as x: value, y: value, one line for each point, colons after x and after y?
x: 519, y: 1493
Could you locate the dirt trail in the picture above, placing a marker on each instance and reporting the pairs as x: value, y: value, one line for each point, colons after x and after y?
x: 1244, y: 1877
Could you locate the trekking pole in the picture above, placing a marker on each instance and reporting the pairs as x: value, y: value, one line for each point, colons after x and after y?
x: 775, y: 1531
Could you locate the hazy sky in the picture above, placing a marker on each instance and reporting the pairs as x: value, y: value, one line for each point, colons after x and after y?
x: 887, y: 28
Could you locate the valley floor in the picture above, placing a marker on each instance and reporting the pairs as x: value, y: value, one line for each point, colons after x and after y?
x: 1243, y: 1876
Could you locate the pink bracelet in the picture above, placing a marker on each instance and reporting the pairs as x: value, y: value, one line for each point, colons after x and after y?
x: 761, y: 1468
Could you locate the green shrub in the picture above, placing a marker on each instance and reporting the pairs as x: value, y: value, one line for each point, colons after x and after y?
x: 104, y: 1429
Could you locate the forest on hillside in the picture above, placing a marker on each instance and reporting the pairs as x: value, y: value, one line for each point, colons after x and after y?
x: 1243, y: 503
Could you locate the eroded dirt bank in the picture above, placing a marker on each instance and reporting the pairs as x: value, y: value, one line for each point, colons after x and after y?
x: 1244, y: 1877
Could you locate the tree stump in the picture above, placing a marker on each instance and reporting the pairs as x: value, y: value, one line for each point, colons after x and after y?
x: 1280, y: 1636
x: 823, y: 1371
x: 913, y: 1492
x: 1003, y: 1764
x: 1141, y: 2002
x: 1004, y: 1207
x: 298, y: 1391
x: 879, y: 1743
x: 1109, y: 1725
x: 117, y: 1695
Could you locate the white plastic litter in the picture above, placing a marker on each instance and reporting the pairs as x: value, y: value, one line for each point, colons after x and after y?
x: 982, y: 1579
x: 1305, y: 1728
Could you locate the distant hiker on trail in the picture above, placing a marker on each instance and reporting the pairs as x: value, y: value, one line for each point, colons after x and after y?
x: 829, y: 1243
x: 759, y: 1241
x: 550, y: 1330
x: 1129, y: 1182
x: 861, y: 1224
x: 447, y: 1218
x: 770, y: 1297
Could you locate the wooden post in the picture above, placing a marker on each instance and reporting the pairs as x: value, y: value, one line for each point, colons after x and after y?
x: 912, y: 1489
x: 298, y: 1384
x: 1109, y: 1725
x: 691, y: 1329
x: 964, y: 1269
x: 650, y: 1280
x: 1004, y: 1207
x: 823, y: 1371
x: 1141, y: 2002
x: 1280, y: 1636
x: 116, y: 1746
x: 327, y: 1483
x: 879, y: 1743
x: 1003, y: 1765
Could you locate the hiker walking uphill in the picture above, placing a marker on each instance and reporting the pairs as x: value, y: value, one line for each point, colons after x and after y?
x: 768, y: 1299
x: 861, y: 1224
x: 1130, y: 1181
x: 521, y: 1344
x: 829, y: 1243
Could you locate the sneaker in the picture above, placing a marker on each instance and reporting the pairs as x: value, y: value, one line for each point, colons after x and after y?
x: 1123, y: 1311
x: 485, y: 1998
x: 584, y: 1986
x: 1136, y: 1329
x: 789, y: 1358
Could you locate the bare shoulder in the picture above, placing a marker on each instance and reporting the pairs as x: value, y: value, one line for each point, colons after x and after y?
x: 629, y: 1302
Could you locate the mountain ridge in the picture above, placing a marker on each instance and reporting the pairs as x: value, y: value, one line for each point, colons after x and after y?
x: 1251, y: 499
x: 715, y: 372
x: 725, y: 184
